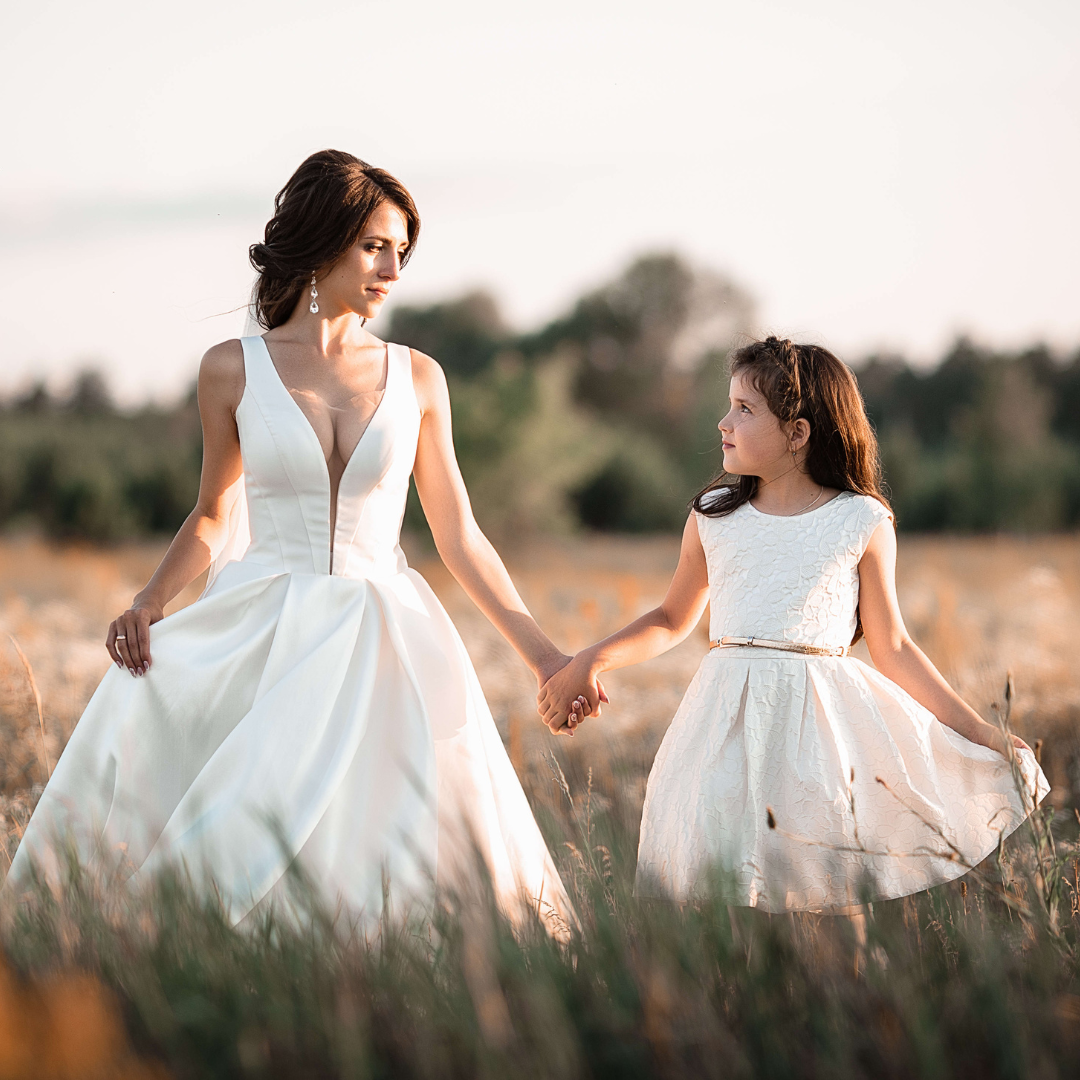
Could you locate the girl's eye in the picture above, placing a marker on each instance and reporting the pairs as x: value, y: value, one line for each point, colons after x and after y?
x: 744, y: 408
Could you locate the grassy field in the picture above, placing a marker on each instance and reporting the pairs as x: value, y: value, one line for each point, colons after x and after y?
x: 981, y: 608
x: 977, y: 979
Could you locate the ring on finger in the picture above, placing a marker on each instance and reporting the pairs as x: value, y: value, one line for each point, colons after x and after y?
x: 121, y: 637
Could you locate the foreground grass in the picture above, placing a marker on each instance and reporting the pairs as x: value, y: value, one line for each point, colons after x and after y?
x: 967, y: 981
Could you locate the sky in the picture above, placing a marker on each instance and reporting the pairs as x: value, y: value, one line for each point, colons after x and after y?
x: 877, y: 176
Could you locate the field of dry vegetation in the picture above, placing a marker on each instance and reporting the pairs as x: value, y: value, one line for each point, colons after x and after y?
x: 976, y: 979
x: 981, y: 607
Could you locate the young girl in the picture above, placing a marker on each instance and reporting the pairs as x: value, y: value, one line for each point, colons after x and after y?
x: 791, y: 765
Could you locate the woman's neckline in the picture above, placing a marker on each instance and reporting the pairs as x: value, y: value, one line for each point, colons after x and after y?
x: 805, y: 513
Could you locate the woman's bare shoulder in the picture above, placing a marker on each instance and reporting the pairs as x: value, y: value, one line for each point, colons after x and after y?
x: 221, y: 373
x: 429, y: 380
x: 425, y: 368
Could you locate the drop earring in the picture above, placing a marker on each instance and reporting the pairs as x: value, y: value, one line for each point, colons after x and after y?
x: 314, y: 308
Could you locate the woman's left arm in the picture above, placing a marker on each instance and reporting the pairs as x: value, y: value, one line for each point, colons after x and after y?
x: 897, y: 657
x: 464, y: 549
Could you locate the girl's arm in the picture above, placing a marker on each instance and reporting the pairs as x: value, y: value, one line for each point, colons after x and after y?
x: 464, y: 549
x: 650, y: 635
x: 898, y: 658
x: 221, y: 385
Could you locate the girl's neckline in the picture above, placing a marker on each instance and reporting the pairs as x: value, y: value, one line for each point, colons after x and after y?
x: 804, y: 514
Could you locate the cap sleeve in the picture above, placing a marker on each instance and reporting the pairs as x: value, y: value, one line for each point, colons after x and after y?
x: 871, y: 514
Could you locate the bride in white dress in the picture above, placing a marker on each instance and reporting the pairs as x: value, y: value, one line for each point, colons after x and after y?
x: 316, y: 703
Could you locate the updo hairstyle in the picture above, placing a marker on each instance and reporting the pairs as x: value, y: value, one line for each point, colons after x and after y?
x: 318, y: 215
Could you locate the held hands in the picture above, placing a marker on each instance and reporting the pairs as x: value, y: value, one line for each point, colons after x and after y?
x: 128, y: 641
x: 570, y: 695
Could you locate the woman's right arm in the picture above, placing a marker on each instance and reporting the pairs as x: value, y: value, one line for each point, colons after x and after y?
x: 221, y: 386
x: 650, y: 635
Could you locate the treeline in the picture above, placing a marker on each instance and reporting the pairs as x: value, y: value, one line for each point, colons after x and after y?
x: 605, y: 418
x: 77, y: 467
x: 983, y: 441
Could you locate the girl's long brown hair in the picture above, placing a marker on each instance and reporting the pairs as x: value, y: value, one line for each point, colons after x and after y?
x: 806, y: 382
x: 318, y: 215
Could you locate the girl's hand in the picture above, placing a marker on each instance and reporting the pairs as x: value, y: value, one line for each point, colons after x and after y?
x: 993, y: 737
x: 570, y: 695
x: 128, y: 641
x: 1017, y: 744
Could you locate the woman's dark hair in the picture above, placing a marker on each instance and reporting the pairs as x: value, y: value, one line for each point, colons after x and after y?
x: 318, y: 215
x: 806, y: 382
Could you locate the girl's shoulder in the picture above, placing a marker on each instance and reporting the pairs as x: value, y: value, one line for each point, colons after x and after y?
x: 864, y: 515
x: 874, y: 510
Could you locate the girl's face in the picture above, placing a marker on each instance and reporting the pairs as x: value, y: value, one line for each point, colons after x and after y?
x: 362, y: 278
x: 755, y: 442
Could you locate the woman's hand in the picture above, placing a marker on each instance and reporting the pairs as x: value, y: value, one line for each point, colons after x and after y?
x: 128, y: 641
x: 548, y: 668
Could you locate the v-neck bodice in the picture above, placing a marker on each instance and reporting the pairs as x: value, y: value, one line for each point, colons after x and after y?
x: 288, y: 483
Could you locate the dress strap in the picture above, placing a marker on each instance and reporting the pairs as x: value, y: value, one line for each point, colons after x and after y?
x: 256, y: 363
x: 400, y: 358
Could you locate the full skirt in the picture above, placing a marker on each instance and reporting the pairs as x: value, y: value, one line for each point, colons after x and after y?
x: 801, y: 783
x: 333, y: 721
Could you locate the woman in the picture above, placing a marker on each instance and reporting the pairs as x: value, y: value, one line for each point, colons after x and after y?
x: 316, y: 703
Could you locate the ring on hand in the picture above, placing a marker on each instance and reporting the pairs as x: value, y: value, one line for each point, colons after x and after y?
x: 121, y: 637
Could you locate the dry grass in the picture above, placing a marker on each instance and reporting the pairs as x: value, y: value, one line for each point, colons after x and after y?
x: 980, y: 607
x: 975, y: 979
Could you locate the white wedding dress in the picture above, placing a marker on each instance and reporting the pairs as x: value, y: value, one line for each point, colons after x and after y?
x: 812, y: 741
x: 303, y: 710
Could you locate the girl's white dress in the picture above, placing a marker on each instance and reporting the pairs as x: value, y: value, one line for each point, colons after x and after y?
x: 812, y: 740
x: 303, y: 710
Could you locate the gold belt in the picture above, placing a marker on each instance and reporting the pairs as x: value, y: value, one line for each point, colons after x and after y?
x: 784, y: 646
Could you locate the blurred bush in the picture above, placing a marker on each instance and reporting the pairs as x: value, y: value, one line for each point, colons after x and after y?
x: 982, y: 441
x: 630, y: 434
x: 524, y: 445
x: 605, y: 418
x: 78, y: 467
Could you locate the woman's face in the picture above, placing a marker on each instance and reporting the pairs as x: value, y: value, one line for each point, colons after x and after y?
x: 755, y: 442
x: 361, y: 279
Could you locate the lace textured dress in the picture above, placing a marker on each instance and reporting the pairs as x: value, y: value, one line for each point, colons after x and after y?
x: 301, y: 709
x: 806, y: 738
